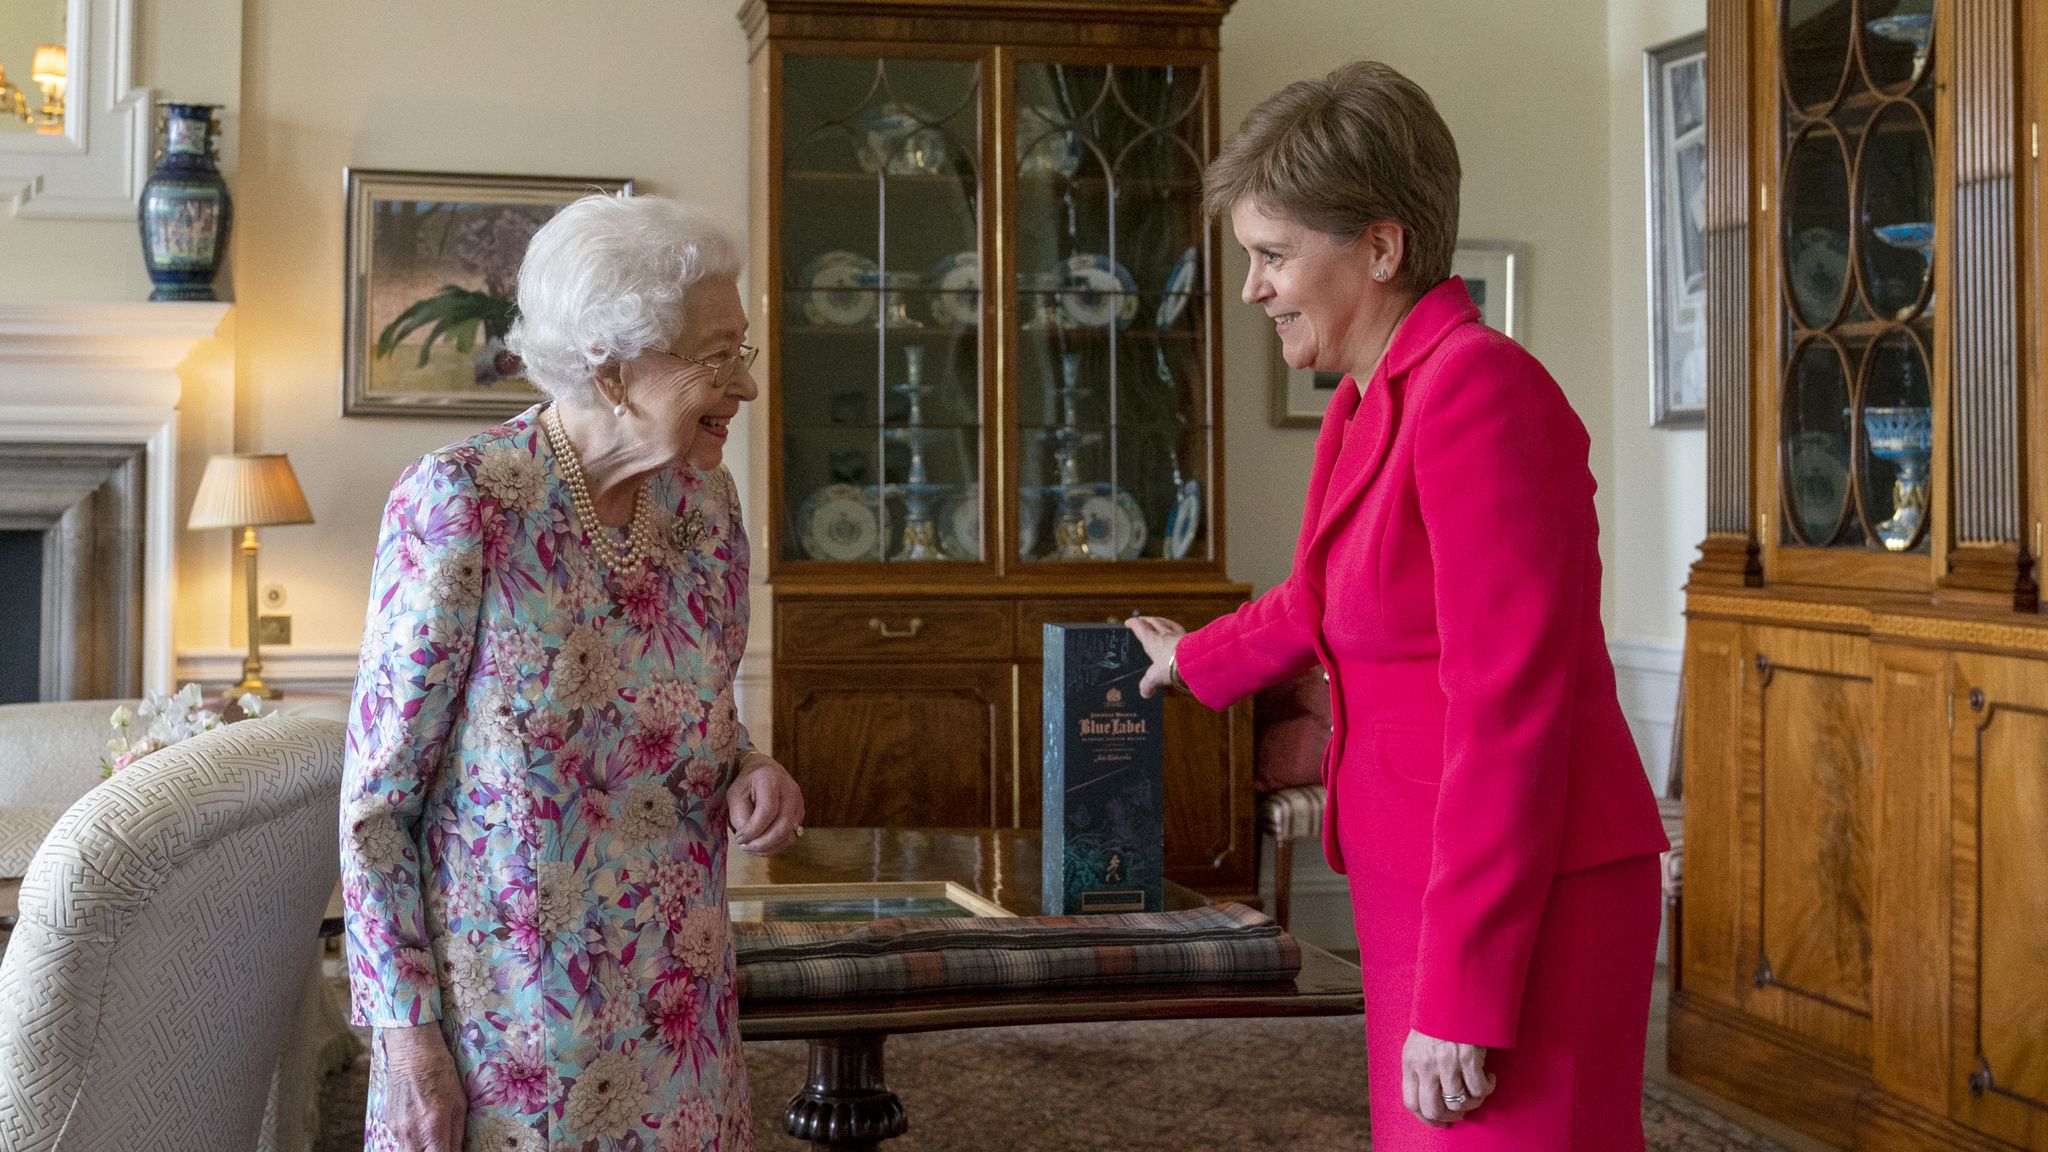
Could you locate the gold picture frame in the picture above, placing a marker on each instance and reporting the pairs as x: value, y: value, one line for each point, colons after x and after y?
x: 430, y: 264
x: 748, y: 902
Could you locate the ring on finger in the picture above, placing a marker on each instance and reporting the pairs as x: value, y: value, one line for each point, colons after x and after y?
x: 1455, y: 1100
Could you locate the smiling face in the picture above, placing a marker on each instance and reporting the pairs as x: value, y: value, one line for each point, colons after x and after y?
x: 1320, y: 292
x: 673, y: 400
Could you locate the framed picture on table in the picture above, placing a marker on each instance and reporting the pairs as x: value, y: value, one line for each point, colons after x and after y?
x: 1675, y: 115
x: 1493, y: 271
x: 431, y: 260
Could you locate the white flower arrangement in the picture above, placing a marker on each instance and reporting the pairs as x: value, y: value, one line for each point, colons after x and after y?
x: 165, y: 720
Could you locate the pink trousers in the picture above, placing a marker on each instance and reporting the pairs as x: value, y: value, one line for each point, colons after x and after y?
x: 1574, y: 1080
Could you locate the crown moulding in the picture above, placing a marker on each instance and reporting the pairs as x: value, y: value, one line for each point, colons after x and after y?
x: 763, y: 18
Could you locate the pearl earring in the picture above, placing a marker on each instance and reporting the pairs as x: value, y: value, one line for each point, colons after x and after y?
x: 1379, y: 274
x: 619, y: 409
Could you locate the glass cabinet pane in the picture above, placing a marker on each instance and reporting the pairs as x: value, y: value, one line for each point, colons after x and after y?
x: 1856, y: 240
x: 1113, y: 364
x: 880, y: 378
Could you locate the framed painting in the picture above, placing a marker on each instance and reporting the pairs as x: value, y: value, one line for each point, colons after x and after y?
x: 1675, y: 113
x: 431, y: 262
x: 1493, y: 272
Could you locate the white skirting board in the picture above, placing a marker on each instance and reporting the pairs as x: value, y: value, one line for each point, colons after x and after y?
x: 1646, y: 679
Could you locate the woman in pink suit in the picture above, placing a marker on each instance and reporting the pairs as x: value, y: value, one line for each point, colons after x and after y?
x: 1484, y: 794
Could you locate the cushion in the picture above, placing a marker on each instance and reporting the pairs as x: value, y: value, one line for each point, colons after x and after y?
x: 22, y: 830
x: 1291, y: 728
x: 1294, y: 813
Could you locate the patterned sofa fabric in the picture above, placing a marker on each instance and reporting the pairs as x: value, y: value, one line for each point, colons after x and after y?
x: 167, y: 927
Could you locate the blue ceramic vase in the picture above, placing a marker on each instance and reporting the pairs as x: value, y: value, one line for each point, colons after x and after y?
x: 185, y: 209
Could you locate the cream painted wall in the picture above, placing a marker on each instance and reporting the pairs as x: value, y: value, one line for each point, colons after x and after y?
x: 650, y: 89
x: 1535, y: 170
x: 1659, y: 475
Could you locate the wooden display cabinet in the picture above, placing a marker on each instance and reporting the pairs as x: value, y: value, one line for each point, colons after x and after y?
x: 1866, y: 788
x: 988, y: 298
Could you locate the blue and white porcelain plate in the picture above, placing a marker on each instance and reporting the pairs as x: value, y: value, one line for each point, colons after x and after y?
x: 1097, y: 292
x: 1115, y: 526
x: 1043, y: 149
x: 957, y: 280
x: 839, y: 522
x: 901, y: 139
x: 1178, y: 284
x: 841, y: 289
x: 960, y: 525
x: 1182, y: 521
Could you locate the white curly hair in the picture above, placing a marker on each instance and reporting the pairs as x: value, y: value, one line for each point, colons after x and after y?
x: 605, y: 280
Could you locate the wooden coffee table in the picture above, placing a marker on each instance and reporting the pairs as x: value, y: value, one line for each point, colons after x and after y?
x: 846, y: 1102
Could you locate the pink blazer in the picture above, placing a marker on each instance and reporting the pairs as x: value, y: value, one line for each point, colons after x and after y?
x: 1448, y: 578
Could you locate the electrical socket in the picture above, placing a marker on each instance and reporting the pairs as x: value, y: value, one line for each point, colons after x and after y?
x: 273, y: 629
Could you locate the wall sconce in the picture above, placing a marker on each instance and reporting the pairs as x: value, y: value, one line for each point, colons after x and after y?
x: 13, y: 106
x: 50, y: 74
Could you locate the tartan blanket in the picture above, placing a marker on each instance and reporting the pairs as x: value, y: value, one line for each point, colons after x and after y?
x: 781, y: 960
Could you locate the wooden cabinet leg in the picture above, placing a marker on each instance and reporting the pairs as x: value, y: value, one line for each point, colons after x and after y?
x: 846, y: 1104
x: 1283, y: 877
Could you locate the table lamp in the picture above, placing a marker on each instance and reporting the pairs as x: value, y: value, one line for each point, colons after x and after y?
x: 244, y: 491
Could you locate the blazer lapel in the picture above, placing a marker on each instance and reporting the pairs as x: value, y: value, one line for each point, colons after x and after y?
x: 1375, y: 418
x: 1441, y: 311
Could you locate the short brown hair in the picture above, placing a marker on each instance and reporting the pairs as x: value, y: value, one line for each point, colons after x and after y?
x: 1364, y: 144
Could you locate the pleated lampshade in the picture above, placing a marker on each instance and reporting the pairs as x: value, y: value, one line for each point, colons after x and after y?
x: 249, y: 489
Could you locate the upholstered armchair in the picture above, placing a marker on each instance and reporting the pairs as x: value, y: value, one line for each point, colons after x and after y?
x: 49, y: 757
x: 168, y: 926
x: 1291, y: 728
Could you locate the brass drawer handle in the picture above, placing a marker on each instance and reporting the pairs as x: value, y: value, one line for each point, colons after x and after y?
x: 876, y: 626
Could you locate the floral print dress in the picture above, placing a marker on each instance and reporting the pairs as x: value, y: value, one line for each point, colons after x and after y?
x: 533, y: 807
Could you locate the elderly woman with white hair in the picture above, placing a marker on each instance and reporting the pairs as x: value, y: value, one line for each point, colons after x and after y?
x: 544, y: 756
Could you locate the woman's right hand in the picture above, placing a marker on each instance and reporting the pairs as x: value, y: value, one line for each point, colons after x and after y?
x: 424, y: 1104
x: 1160, y: 637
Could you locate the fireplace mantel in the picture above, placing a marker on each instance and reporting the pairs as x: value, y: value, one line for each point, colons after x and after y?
x: 107, y: 373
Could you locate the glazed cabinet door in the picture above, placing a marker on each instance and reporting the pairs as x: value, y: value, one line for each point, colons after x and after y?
x: 1805, y: 814
x: 877, y: 370
x: 1999, y: 1011
x: 1854, y: 331
x: 898, y: 745
x: 1115, y: 336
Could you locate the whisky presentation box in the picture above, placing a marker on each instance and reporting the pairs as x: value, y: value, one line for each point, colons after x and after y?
x: 1104, y: 798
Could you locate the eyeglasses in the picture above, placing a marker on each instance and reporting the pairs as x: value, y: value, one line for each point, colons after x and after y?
x: 725, y: 369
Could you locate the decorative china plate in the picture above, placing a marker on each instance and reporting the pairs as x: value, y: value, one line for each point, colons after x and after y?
x: 1097, y: 292
x: 842, y: 289
x: 839, y: 523
x: 1115, y: 525
x: 957, y: 283
x: 1183, y: 519
x: 1178, y: 283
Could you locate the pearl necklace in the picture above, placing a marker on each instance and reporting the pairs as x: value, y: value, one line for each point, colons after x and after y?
x: 641, y: 542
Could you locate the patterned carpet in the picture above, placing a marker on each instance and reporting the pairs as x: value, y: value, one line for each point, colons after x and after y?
x: 1189, y: 1086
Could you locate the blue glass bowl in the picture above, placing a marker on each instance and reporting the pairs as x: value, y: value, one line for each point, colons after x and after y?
x: 1915, y: 28
x: 1901, y: 434
x: 1915, y: 237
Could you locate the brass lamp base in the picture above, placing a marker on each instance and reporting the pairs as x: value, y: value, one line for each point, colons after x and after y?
x: 252, y: 665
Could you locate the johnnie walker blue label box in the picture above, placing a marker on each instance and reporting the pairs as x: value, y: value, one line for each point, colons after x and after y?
x: 1104, y: 817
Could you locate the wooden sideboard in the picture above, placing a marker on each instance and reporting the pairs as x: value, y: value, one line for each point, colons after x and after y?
x: 1865, y: 921
x: 993, y: 378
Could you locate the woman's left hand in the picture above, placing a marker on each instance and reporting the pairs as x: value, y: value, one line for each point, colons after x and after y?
x: 1432, y: 1069
x: 765, y: 807
x: 1159, y: 637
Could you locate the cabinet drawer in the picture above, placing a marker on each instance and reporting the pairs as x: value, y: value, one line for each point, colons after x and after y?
x: 1034, y: 615
x: 869, y: 630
